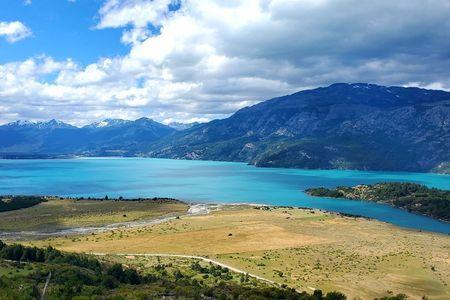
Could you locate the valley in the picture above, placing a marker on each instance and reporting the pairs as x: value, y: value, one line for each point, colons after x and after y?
x: 341, y: 126
x: 225, y: 150
x: 304, y: 249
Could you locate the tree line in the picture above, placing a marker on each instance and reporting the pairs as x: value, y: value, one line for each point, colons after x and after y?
x: 76, y: 275
x: 8, y: 203
x: 412, y: 197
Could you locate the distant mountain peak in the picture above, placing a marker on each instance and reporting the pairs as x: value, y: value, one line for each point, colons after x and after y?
x: 108, y: 123
x: 355, y: 85
x: 53, y: 123
x: 344, y: 125
x: 145, y: 119
x: 103, y: 138
x: 182, y: 126
x: 363, y: 85
x: 20, y: 123
x: 142, y: 123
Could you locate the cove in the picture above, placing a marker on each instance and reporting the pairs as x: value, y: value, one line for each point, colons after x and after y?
x: 209, y: 181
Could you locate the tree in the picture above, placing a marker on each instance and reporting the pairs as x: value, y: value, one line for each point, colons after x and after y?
x: 335, y: 296
x: 131, y: 277
x: 110, y: 282
x: 116, y: 271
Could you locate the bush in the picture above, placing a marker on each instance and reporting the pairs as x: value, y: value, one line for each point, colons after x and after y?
x: 19, y: 202
x: 83, y: 277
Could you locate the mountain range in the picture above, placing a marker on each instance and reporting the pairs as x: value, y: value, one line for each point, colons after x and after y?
x: 345, y: 126
x: 111, y: 137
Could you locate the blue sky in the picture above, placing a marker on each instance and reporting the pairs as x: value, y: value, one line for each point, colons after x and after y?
x: 60, y: 29
x: 82, y: 61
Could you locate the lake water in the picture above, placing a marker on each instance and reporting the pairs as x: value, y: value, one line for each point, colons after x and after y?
x: 206, y: 181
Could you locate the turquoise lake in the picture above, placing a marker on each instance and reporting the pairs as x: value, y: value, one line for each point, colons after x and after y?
x: 206, y: 181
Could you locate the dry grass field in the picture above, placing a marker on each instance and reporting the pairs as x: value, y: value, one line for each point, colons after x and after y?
x: 58, y: 214
x: 301, y: 248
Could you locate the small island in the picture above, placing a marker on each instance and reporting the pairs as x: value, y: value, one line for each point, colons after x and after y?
x: 413, y: 197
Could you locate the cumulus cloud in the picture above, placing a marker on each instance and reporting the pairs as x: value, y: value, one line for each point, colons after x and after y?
x: 204, y: 59
x: 119, y: 13
x: 135, y: 13
x: 14, y: 31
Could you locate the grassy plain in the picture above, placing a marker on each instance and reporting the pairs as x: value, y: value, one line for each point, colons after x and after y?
x: 301, y: 248
x: 57, y: 214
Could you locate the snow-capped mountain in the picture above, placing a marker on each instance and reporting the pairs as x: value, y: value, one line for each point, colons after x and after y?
x: 107, y: 137
x: 41, y: 125
x: 346, y: 126
x: 182, y: 126
x: 108, y: 123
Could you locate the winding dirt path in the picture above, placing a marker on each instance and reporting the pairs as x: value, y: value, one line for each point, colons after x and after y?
x: 208, y: 260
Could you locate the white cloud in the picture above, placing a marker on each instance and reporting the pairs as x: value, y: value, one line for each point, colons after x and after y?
x: 211, y: 57
x: 135, y: 13
x: 135, y: 35
x: 14, y: 31
x: 117, y: 13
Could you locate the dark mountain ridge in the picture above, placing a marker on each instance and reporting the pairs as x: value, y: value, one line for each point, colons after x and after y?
x: 109, y: 137
x: 351, y: 126
x: 345, y: 126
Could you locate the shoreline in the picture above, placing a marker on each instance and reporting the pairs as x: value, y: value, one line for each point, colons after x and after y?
x: 195, y: 209
x: 267, y: 240
x: 390, y: 205
x: 73, y: 156
x: 380, y: 202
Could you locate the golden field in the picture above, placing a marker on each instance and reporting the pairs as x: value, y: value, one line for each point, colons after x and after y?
x: 59, y: 214
x: 305, y: 249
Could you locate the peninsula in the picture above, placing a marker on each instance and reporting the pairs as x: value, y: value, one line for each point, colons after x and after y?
x: 412, y: 197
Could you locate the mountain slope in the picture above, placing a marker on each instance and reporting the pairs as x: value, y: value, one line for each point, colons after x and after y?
x: 348, y: 126
x: 354, y: 126
x: 109, y: 137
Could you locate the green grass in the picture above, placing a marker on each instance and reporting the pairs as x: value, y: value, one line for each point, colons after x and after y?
x: 114, y: 277
x: 15, y: 269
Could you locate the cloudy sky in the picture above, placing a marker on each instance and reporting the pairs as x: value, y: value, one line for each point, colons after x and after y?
x: 194, y: 60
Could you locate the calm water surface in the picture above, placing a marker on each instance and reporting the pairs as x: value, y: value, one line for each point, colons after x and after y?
x: 206, y: 181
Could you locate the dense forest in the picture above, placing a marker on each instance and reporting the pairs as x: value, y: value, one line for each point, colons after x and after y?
x: 412, y: 197
x: 24, y: 271
x: 8, y: 203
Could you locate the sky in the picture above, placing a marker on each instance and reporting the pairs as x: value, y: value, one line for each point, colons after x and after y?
x: 82, y: 61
